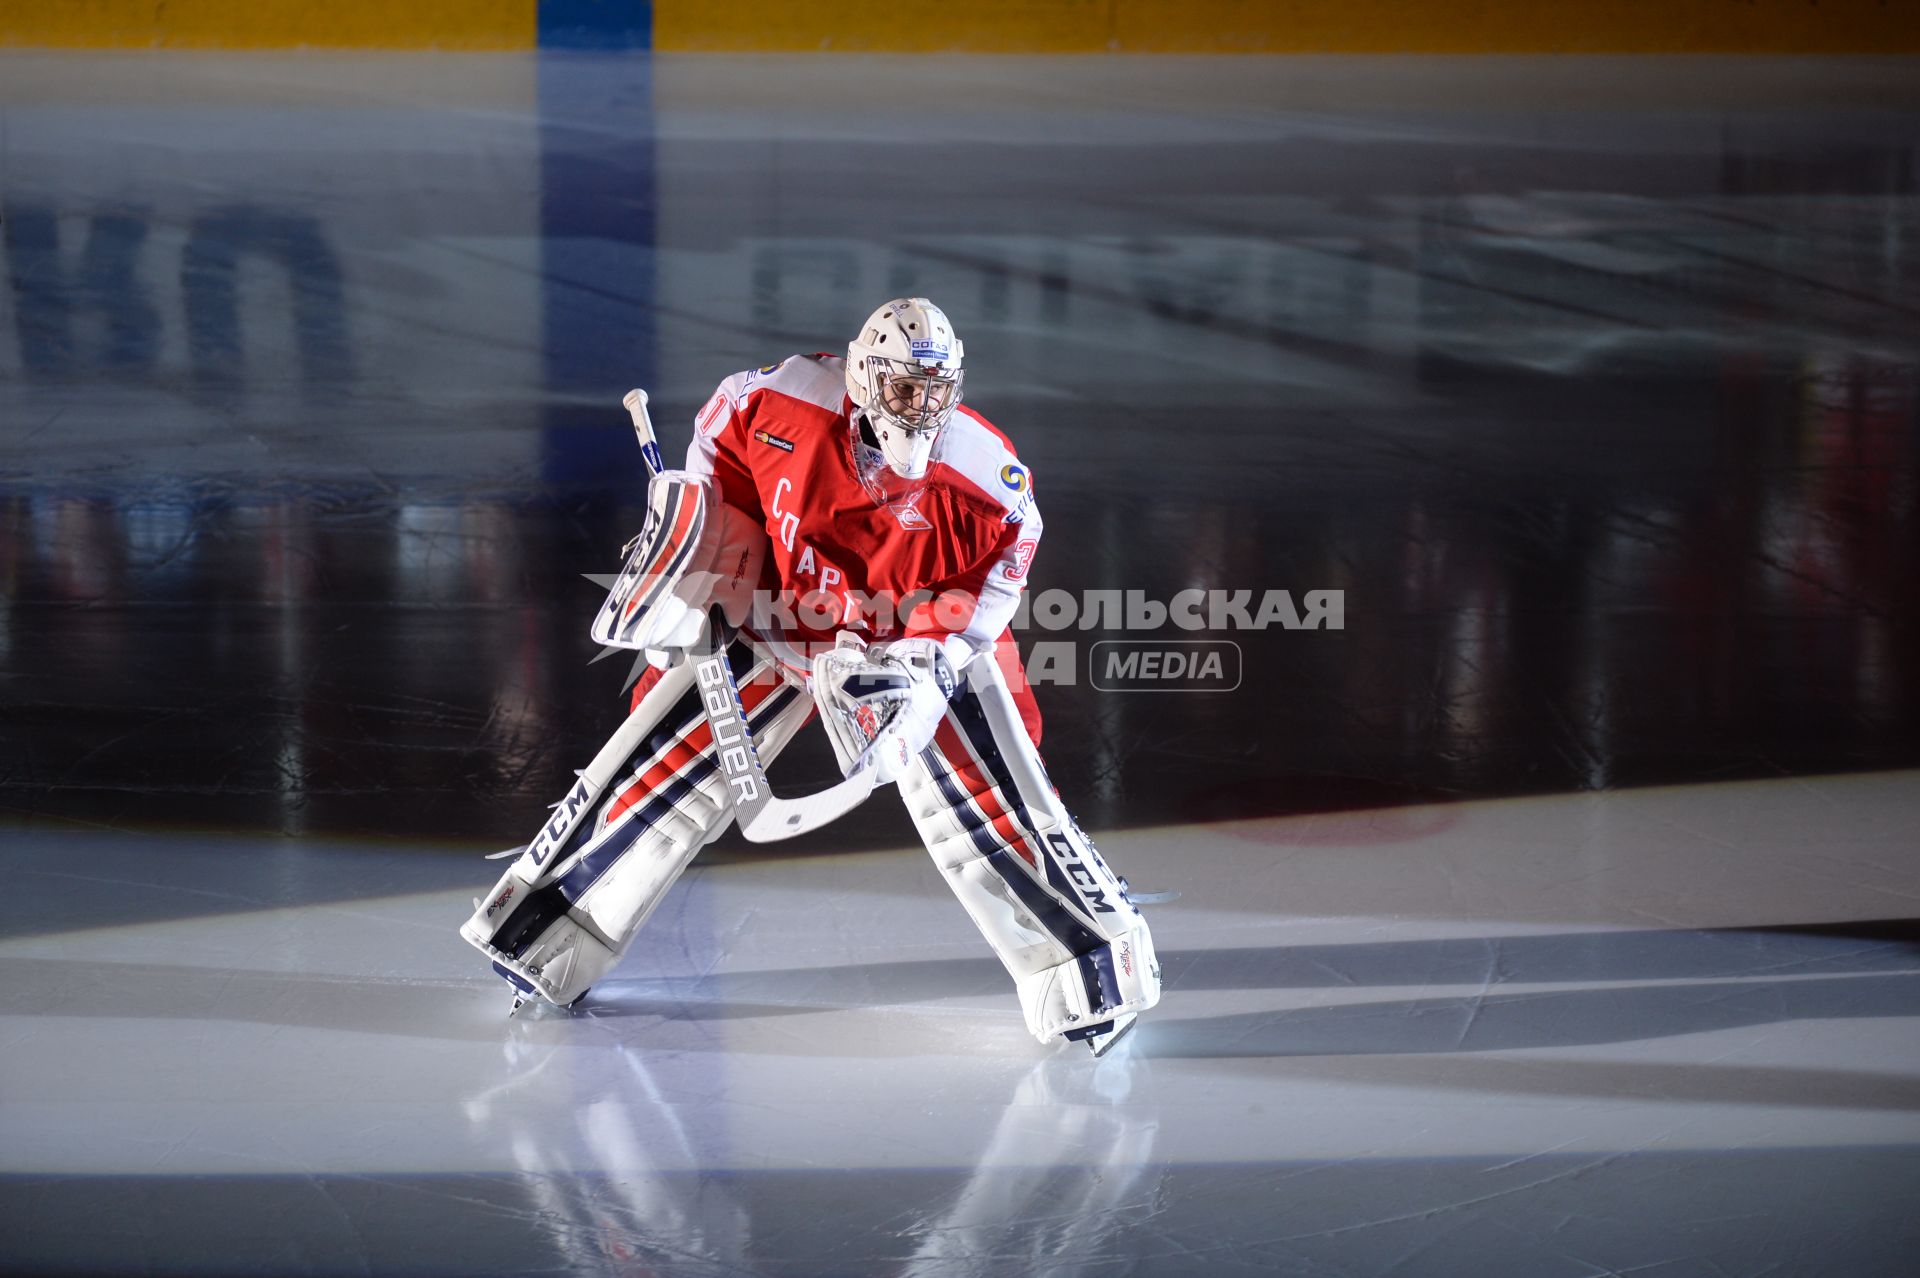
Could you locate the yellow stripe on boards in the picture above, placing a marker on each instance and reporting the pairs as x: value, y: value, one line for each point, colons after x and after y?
x: 1293, y: 26
x: 268, y: 24
x: 871, y: 26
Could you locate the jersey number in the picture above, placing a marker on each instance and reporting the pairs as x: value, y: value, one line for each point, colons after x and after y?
x: 1022, y: 556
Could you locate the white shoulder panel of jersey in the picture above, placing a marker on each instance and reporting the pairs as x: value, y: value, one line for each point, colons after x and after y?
x: 820, y: 380
x: 987, y: 463
x: 734, y: 387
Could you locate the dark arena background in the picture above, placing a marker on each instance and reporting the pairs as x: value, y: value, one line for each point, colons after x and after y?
x: 1547, y: 855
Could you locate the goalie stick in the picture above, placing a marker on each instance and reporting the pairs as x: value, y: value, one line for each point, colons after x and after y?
x: 764, y: 816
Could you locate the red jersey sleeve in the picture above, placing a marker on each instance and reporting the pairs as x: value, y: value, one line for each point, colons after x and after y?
x: 973, y: 608
x: 718, y: 449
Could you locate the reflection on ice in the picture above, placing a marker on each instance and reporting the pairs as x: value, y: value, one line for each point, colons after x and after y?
x: 1069, y: 1170
x: 605, y: 1163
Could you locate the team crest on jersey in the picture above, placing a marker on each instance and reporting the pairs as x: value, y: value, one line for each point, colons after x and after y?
x: 910, y: 517
x: 1014, y: 476
x: 767, y: 437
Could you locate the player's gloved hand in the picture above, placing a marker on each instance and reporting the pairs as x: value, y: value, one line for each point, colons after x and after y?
x: 672, y: 628
x: 881, y: 704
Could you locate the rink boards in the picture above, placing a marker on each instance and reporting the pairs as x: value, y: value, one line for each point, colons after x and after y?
x: 1007, y: 26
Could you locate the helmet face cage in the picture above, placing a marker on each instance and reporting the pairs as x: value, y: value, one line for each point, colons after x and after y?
x: 913, y: 397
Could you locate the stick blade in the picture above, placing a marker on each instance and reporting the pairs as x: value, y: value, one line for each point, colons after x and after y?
x: 775, y: 818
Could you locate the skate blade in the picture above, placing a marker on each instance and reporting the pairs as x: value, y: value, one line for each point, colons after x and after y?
x: 1101, y: 1046
x: 522, y: 992
x: 1101, y: 1038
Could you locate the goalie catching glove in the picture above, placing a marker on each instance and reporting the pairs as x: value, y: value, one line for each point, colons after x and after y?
x: 881, y: 704
x: 694, y: 551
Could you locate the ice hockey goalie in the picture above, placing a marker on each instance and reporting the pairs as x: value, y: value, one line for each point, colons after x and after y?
x: 862, y: 536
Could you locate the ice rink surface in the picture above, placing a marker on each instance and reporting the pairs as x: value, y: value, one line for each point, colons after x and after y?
x: 1555, y: 916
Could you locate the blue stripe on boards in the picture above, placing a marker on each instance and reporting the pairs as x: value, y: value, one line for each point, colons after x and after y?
x: 595, y: 24
x: 597, y: 228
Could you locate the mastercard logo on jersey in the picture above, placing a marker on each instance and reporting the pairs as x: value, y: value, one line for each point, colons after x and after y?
x: 785, y: 446
x: 1014, y: 477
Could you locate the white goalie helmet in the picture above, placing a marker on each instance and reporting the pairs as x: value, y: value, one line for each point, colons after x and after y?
x: 903, y: 375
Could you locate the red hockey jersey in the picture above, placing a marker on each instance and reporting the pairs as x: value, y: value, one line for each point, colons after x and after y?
x: 776, y: 441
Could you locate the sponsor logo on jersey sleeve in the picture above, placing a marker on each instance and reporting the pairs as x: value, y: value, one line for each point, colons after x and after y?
x: 1014, y: 476
x: 768, y: 437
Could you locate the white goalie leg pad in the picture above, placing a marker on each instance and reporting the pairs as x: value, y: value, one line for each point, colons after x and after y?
x: 567, y: 909
x: 1080, y: 954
